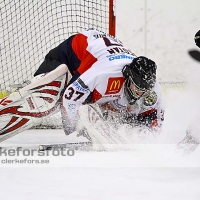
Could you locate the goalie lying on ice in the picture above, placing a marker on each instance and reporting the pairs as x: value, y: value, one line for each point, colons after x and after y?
x: 104, y: 72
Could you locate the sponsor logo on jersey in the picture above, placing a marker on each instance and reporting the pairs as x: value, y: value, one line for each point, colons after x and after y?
x: 80, y: 87
x: 115, y: 95
x: 121, y: 56
x: 114, y: 85
x: 71, y: 106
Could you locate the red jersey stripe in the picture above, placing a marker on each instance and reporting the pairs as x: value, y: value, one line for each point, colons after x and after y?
x: 79, y: 46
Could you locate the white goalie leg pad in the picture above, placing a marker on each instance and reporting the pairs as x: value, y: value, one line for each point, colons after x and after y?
x: 102, y: 134
x: 19, y: 113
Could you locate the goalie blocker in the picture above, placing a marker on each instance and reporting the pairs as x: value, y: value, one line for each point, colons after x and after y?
x: 24, y: 108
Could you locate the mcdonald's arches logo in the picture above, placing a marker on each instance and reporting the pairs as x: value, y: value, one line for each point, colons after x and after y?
x: 114, y: 85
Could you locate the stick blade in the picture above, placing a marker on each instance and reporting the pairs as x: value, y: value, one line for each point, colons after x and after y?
x: 195, y: 54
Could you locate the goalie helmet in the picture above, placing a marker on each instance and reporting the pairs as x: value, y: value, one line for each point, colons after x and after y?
x: 140, y: 74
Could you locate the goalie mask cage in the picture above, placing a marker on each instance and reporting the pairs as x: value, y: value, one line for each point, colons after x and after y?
x: 30, y: 29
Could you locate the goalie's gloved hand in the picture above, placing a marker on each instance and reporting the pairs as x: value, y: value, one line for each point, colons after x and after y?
x: 139, y: 120
x: 197, y: 38
x: 130, y: 118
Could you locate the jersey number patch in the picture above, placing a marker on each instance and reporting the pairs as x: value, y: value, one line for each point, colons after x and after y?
x: 72, y: 92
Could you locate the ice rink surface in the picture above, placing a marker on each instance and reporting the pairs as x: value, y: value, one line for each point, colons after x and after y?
x: 154, y: 169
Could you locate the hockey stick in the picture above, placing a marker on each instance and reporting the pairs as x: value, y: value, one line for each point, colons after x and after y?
x: 73, y: 146
x: 195, y: 54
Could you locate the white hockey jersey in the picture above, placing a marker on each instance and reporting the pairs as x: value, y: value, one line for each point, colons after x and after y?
x: 101, y: 77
